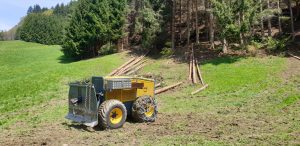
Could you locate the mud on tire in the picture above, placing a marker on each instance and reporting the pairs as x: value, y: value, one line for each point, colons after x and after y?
x: 141, y: 111
x: 107, y: 110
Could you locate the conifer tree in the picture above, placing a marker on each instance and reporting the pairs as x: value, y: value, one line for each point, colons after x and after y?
x: 94, y: 24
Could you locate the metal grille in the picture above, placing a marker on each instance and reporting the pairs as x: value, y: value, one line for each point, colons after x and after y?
x: 118, y: 84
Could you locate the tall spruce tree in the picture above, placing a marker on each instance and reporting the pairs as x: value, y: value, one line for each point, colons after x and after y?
x: 94, y: 24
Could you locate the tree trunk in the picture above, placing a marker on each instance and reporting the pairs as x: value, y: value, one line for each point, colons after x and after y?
x: 279, y: 14
x: 269, y: 22
x: 298, y: 9
x: 211, y: 28
x: 262, y: 20
x: 197, y: 28
x: 206, y: 7
x: 173, y: 23
x: 188, y: 22
x: 241, y: 35
x: 292, y: 19
x: 180, y: 4
x: 225, y: 48
x: 134, y: 15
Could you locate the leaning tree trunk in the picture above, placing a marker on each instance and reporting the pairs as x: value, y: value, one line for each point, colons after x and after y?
x: 269, y: 22
x: 292, y: 19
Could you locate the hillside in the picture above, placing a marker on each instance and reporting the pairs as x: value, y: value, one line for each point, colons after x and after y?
x: 250, y: 100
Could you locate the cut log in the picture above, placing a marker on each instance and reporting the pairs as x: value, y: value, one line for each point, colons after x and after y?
x: 294, y: 56
x: 157, y: 85
x: 129, y: 65
x: 195, y: 80
x: 199, y: 90
x: 167, y: 88
x: 122, y: 66
x: 136, y: 69
x: 133, y: 67
x: 136, y: 60
x: 191, y: 68
x: 199, y: 72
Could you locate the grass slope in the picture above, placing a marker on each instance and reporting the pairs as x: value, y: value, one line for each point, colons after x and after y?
x: 31, y: 74
x: 250, y: 101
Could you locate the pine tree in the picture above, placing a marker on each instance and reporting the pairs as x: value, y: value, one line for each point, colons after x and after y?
x: 30, y: 10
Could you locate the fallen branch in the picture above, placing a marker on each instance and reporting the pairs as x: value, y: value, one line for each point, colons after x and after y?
x: 199, y: 90
x: 294, y: 56
x: 167, y: 88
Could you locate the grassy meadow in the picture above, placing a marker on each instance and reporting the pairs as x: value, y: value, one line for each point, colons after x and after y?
x: 250, y: 100
x: 31, y: 74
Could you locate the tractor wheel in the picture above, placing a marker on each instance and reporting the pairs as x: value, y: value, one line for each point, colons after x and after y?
x: 144, y: 109
x: 112, y: 114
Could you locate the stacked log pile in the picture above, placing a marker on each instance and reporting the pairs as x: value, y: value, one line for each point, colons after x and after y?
x: 134, y: 65
x: 130, y: 67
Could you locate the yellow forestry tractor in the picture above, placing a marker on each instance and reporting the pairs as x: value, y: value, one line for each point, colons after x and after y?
x: 107, y: 101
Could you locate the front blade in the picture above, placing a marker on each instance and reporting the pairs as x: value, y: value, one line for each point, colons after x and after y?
x: 83, y: 104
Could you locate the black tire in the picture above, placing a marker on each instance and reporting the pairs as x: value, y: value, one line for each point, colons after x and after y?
x: 105, y: 111
x: 141, y: 108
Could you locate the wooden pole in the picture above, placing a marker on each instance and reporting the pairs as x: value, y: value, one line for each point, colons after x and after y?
x: 294, y: 56
x: 122, y: 66
x: 195, y: 81
x: 199, y: 73
x: 191, y: 68
x: 199, y: 90
x: 167, y: 88
x: 135, y: 70
x: 129, y: 65
x: 133, y: 67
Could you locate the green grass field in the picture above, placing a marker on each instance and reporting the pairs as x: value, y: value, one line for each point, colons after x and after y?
x: 252, y: 101
x: 31, y: 74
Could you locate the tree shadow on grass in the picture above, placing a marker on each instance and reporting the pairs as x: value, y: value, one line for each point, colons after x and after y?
x: 223, y: 60
x: 66, y: 60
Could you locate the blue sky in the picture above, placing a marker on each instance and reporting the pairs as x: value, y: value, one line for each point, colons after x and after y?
x: 11, y: 11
